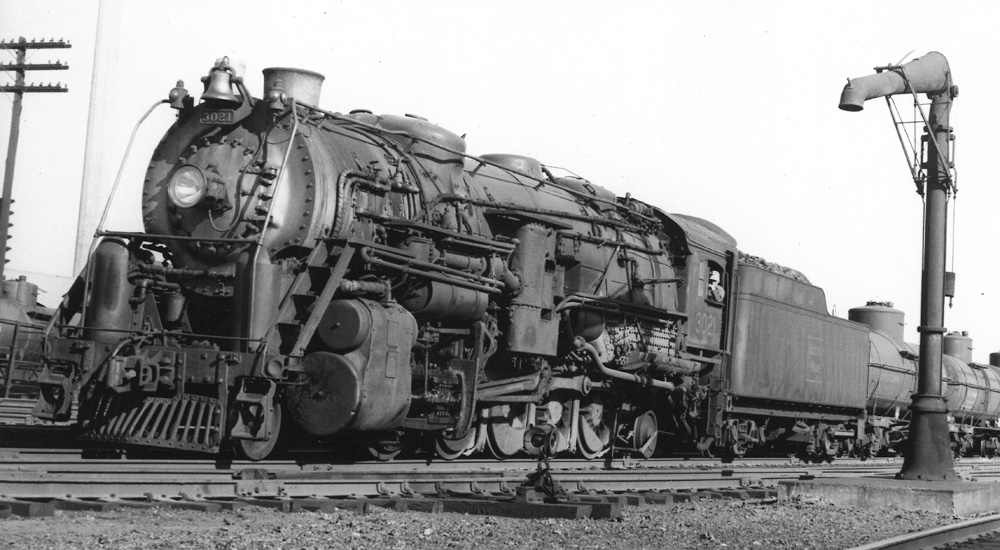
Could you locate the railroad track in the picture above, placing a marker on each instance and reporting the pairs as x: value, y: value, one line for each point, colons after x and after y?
x: 36, y: 481
x: 32, y: 477
x: 978, y: 533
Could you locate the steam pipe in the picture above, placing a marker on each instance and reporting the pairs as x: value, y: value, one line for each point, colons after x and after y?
x: 424, y: 269
x: 930, y: 456
x: 640, y: 379
x: 281, y: 170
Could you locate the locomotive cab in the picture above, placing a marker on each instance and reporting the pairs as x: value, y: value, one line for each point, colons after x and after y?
x: 711, y: 266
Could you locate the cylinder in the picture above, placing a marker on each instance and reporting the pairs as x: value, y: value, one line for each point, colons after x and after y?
x: 880, y: 317
x: 345, y: 325
x: 444, y: 302
x: 365, y: 389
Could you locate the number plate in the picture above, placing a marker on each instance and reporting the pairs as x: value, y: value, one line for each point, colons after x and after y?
x: 218, y: 117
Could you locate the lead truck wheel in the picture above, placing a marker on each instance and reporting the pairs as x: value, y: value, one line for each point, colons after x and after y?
x: 259, y: 450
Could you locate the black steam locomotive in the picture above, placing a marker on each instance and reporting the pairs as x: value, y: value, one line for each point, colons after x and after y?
x: 309, y: 275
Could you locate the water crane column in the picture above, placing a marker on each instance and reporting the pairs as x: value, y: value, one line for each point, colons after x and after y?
x: 929, y: 455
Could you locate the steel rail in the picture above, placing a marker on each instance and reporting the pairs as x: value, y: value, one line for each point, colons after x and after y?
x: 37, y: 476
x: 52, y: 464
x: 307, y: 460
x: 254, y: 483
x: 938, y: 536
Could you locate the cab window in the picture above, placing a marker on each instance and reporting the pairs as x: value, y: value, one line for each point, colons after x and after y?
x: 711, y: 283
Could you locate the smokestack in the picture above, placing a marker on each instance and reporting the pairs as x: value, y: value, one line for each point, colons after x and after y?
x: 305, y: 86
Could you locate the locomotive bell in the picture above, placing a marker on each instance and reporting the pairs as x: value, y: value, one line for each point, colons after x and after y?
x: 219, y: 83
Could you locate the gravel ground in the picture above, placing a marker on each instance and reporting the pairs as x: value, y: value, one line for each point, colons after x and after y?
x: 708, y: 524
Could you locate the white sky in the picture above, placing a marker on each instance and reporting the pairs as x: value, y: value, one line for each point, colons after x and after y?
x: 722, y: 110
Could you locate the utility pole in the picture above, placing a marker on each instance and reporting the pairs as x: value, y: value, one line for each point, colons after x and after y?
x: 19, y: 88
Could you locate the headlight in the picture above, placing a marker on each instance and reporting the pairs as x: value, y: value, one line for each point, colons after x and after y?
x: 187, y: 186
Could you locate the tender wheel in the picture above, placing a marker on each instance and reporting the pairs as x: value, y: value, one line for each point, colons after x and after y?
x: 505, y: 429
x: 964, y: 447
x: 259, y: 450
x: 868, y: 451
x: 704, y: 446
x: 988, y: 447
x: 829, y: 447
x: 847, y: 448
x: 734, y: 452
x: 593, y: 431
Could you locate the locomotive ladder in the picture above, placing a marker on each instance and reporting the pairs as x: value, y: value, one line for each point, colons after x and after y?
x: 303, y: 306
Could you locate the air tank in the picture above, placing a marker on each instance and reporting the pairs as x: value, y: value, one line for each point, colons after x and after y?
x: 880, y: 317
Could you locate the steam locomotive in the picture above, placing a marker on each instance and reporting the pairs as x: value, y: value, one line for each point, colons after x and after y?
x: 311, y: 275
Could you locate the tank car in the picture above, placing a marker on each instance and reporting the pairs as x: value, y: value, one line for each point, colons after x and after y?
x: 971, y: 390
x: 22, y: 319
x: 363, y: 276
